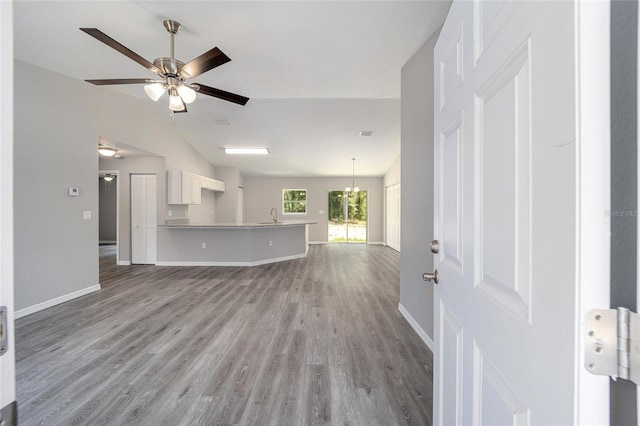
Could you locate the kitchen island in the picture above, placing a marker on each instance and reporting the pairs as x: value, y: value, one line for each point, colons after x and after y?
x: 231, y: 244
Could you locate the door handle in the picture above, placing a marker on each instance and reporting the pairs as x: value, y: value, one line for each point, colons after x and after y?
x: 434, y: 246
x: 431, y: 276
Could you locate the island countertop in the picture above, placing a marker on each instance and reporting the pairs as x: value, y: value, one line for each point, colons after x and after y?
x: 249, y: 225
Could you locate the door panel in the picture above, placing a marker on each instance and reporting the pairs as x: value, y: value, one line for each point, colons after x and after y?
x: 449, y: 387
x: 450, y: 191
x: 143, y: 219
x: 505, y: 213
x: 503, y: 184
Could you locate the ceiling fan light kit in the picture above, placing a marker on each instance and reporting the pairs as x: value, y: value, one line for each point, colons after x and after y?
x: 155, y: 90
x: 172, y: 72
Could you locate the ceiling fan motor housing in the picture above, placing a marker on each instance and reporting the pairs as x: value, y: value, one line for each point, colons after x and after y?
x: 169, y: 66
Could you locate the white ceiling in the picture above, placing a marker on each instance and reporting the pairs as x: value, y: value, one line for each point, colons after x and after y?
x: 317, y: 72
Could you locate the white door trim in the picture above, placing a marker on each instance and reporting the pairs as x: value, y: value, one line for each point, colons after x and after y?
x: 7, y: 361
x: 392, y: 241
x: 594, y: 193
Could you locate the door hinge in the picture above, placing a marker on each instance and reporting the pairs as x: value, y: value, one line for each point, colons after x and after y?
x: 4, y: 334
x: 613, y: 343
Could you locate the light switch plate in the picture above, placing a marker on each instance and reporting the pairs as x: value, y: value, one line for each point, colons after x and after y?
x: 86, y: 215
x: 74, y: 192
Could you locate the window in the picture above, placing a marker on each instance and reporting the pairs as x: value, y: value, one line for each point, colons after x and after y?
x: 294, y: 201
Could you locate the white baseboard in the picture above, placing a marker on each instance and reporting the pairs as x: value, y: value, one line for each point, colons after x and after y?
x: 317, y: 242
x: 376, y: 243
x: 209, y: 263
x: 414, y: 324
x: 53, y: 302
x: 124, y: 263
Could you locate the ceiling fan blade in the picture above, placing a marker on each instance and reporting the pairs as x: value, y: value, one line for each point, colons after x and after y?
x: 203, y: 63
x: 120, y: 81
x: 217, y: 93
x: 99, y: 35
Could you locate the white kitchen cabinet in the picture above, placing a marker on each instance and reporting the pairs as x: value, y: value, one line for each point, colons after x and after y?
x: 212, y: 184
x: 183, y: 187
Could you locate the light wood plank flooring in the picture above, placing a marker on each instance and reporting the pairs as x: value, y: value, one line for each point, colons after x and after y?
x: 308, y: 341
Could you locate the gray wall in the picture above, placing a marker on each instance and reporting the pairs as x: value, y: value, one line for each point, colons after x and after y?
x: 107, y: 196
x: 261, y: 194
x: 393, y: 175
x: 56, y: 251
x: 624, y: 166
x: 416, y: 296
x: 58, y: 121
x: 226, y: 202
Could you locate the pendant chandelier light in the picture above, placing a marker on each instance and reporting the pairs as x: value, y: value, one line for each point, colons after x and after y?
x: 353, y: 179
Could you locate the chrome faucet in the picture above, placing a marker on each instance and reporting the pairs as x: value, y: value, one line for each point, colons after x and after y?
x: 275, y: 219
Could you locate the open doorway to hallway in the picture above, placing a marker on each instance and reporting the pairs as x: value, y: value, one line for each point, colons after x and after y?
x: 347, y: 218
x: 108, y: 210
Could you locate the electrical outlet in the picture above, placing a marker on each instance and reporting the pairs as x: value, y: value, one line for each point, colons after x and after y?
x: 86, y: 215
x: 204, y: 245
x: 270, y: 243
x: 170, y: 213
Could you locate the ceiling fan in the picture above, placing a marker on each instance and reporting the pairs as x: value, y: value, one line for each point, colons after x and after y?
x: 172, y: 72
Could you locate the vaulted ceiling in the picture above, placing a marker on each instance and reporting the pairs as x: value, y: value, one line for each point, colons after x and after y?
x: 317, y: 72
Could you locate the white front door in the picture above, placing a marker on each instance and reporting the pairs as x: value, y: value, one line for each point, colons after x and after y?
x: 7, y: 359
x: 514, y: 208
x: 143, y: 219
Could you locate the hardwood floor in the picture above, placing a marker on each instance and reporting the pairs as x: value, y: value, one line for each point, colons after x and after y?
x: 308, y: 341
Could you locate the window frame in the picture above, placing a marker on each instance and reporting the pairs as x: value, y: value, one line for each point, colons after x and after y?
x: 306, y: 200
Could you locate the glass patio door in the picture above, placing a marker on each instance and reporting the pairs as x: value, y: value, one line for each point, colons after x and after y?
x: 347, y: 217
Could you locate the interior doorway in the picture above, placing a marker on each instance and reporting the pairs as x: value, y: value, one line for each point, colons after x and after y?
x: 108, y: 217
x: 347, y: 218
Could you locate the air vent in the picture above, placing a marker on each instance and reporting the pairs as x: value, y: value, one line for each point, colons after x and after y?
x: 366, y: 133
x: 223, y: 122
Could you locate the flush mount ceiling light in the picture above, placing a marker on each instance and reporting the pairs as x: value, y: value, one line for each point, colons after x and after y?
x: 108, y: 177
x: 366, y: 133
x: 247, y: 151
x: 353, y: 181
x: 107, y: 151
x: 172, y: 73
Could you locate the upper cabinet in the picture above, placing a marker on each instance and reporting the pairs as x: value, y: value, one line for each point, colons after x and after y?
x: 185, y: 187
x: 212, y: 184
